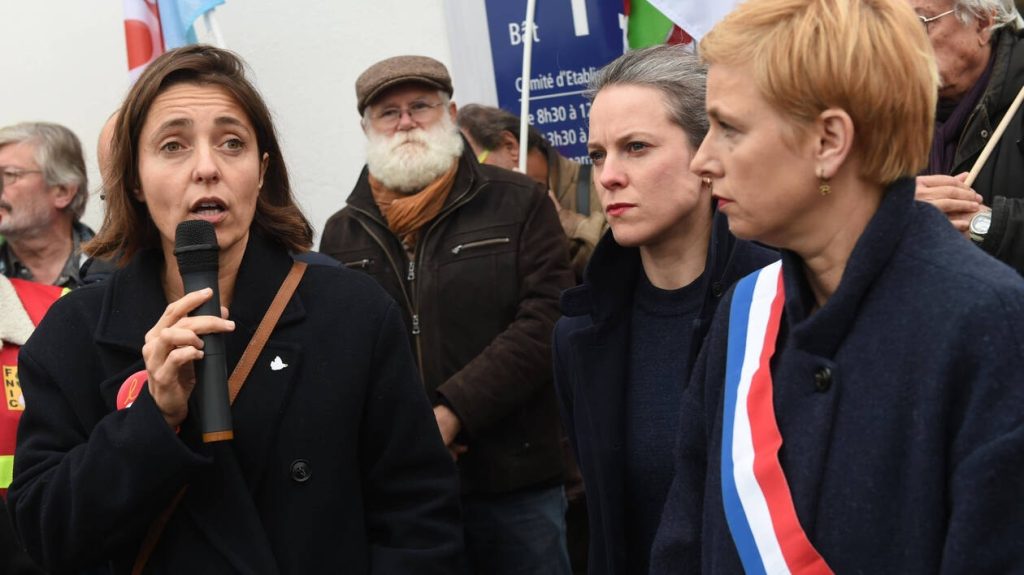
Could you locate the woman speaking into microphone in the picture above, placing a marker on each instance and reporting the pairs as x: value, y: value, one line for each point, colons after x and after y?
x: 858, y: 408
x: 335, y: 464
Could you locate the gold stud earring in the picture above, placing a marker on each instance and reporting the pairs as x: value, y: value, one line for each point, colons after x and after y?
x: 823, y: 186
x: 706, y: 181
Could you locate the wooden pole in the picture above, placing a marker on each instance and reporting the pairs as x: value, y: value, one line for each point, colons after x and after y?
x: 996, y: 136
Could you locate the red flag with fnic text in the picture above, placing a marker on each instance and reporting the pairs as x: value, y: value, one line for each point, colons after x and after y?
x: 142, y: 34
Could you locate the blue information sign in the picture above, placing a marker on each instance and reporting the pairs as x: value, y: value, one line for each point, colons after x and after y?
x: 572, y: 40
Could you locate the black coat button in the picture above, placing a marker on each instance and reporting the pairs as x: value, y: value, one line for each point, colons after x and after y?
x: 717, y: 289
x: 301, y: 471
x: 823, y: 379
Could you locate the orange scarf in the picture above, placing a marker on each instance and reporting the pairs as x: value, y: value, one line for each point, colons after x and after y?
x: 407, y: 213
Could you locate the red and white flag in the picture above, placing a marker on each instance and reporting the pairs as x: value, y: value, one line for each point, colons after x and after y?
x: 142, y: 34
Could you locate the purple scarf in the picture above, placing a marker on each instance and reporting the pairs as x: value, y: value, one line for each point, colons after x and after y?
x: 950, y: 124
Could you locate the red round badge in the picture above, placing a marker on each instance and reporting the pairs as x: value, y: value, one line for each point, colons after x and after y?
x: 131, y: 388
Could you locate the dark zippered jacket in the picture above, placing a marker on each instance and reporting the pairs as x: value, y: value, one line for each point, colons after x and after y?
x: 480, y: 299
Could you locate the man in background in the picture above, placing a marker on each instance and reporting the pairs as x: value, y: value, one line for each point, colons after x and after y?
x: 979, y: 48
x: 44, y: 196
x: 476, y: 258
x: 22, y: 306
x: 493, y: 135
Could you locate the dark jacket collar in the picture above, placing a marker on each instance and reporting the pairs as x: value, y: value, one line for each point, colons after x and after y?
x: 466, y: 178
x: 135, y: 298
x: 823, y: 332
x: 1007, y: 71
x: 613, y: 270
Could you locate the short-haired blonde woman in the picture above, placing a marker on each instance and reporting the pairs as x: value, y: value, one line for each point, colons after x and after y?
x: 860, y: 407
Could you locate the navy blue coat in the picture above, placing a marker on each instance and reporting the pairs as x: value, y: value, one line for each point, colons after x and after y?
x: 591, y: 357
x: 901, y: 407
x: 336, y: 465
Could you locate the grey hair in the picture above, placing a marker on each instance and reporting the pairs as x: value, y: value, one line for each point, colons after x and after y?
x: 59, y: 155
x: 1004, y: 12
x: 365, y: 121
x: 674, y: 71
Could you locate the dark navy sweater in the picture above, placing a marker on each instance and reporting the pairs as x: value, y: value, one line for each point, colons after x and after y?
x: 660, y: 338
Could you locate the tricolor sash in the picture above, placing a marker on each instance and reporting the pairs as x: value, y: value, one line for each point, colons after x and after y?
x: 758, y: 505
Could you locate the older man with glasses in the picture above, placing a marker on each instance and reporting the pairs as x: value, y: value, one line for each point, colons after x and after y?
x: 45, y: 190
x: 476, y: 258
x: 980, y: 53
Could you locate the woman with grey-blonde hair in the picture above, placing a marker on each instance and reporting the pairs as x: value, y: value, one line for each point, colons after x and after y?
x: 631, y: 332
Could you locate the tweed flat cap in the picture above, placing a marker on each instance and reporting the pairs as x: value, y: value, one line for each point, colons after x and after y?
x: 398, y: 70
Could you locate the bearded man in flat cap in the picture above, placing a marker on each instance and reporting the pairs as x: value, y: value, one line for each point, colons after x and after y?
x: 476, y: 257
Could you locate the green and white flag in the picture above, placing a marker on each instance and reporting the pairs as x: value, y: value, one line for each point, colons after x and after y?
x: 648, y: 26
x: 696, y: 17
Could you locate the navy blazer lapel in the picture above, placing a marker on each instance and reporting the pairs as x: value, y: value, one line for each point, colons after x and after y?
x: 599, y: 383
x: 600, y: 361
x: 133, y: 302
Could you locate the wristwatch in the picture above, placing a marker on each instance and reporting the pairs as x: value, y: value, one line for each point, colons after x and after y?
x: 979, y: 226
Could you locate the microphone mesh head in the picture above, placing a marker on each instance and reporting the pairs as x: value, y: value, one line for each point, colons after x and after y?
x: 195, y: 246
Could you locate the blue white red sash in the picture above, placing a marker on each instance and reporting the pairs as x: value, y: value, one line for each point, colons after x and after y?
x: 758, y: 504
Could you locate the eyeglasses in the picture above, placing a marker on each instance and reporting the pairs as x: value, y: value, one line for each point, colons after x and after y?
x: 926, y: 20
x: 418, y: 111
x: 11, y: 176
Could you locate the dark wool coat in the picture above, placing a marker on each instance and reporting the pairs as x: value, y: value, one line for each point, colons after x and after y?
x: 901, y: 408
x: 591, y: 349
x: 480, y: 298
x: 336, y: 466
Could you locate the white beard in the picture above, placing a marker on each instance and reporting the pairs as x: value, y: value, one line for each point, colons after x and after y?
x: 407, y: 161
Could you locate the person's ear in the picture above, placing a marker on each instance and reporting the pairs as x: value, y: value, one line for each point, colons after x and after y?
x: 834, y: 134
x: 511, y: 146
x: 453, y: 111
x: 64, y: 195
x: 984, y: 28
x: 264, y: 163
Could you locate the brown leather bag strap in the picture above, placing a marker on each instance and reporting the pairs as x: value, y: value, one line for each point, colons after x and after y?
x: 156, y: 529
x: 235, y: 382
x: 259, y: 339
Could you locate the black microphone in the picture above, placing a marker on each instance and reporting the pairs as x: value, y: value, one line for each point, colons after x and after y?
x: 195, y: 247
